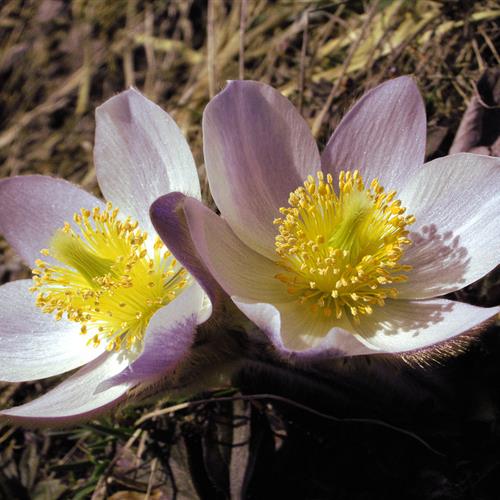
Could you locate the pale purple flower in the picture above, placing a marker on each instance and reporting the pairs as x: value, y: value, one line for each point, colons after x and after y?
x: 329, y: 262
x: 116, y: 302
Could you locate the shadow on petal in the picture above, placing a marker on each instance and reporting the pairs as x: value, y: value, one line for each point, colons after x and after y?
x: 440, y: 264
x: 406, y: 325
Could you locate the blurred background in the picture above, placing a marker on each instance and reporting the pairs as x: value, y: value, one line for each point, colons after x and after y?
x: 61, y: 59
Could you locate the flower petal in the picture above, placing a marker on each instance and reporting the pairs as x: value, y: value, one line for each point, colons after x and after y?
x: 32, y: 207
x: 406, y: 325
x: 456, y: 239
x: 33, y: 344
x: 77, y: 398
x: 140, y: 154
x: 295, y: 332
x: 382, y: 136
x: 239, y: 270
x: 169, y: 220
x: 169, y: 336
x: 258, y: 149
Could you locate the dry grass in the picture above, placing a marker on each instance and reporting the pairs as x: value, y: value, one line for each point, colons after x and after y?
x: 59, y: 60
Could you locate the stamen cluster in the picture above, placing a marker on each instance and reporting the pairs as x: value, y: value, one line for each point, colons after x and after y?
x: 106, y: 277
x: 340, y: 252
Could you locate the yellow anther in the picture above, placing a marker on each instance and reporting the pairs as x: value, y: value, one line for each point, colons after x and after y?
x: 107, y: 279
x: 340, y: 248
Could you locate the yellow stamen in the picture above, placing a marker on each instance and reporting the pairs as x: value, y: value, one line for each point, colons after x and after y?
x: 109, y: 279
x: 340, y: 252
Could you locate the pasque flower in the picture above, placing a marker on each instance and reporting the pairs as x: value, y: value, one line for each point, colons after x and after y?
x: 345, y: 252
x: 106, y: 294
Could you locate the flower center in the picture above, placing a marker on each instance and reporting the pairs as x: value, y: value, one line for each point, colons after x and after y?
x: 340, y: 252
x: 106, y: 277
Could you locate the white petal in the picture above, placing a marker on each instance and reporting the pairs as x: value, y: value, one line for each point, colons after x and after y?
x: 33, y: 344
x: 382, y: 136
x: 456, y: 238
x: 405, y: 325
x: 77, y: 398
x: 258, y: 149
x: 140, y: 154
x: 238, y: 269
x: 292, y: 328
x: 33, y: 207
x: 169, y: 220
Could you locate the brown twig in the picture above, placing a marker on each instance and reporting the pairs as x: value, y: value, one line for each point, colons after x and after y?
x: 128, y: 59
x: 241, y: 58
x: 211, y: 47
x: 303, y: 55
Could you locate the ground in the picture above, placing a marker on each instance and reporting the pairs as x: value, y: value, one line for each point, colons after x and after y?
x: 380, y: 428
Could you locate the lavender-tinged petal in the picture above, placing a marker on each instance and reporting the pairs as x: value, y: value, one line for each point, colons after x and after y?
x: 295, y: 332
x: 33, y: 344
x: 77, y: 398
x: 33, y: 207
x: 456, y: 236
x: 258, y: 149
x: 140, y: 154
x: 382, y: 136
x: 403, y: 325
x: 169, y: 220
x: 169, y: 336
x: 239, y: 270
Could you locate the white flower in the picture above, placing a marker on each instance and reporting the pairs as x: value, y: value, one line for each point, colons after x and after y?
x: 106, y: 294
x: 343, y: 253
